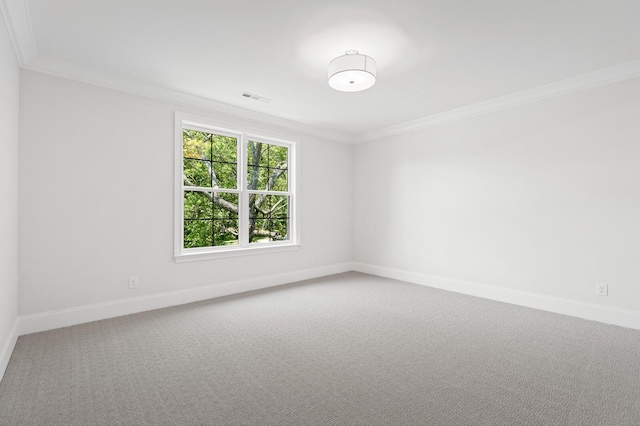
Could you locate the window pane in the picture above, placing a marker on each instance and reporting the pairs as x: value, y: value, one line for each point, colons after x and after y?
x: 257, y: 166
x: 267, y: 230
x: 280, y: 229
x: 266, y: 166
x: 279, y: 180
x: 261, y: 205
x: 254, y: 211
x: 217, y: 155
x: 225, y: 205
x: 268, y: 218
x: 278, y: 206
x: 224, y: 149
x: 211, y: 213
x: 269, y: 179
x: 225, y: 175
x: 258, y: 229
x: 257, y: 177
x: 225, y: 213
x: 225, y: 232
x: 198, y: 211
x: 277, y: 157
x: 210, y: 219
x: 224, y: 153
x: 198, y: 233
x: 198, y: 205
x: 257, y: 153
x: 196, y: 144
x: 196, y: 172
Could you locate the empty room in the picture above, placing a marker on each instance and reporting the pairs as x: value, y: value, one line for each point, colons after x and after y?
x: 319, y: 213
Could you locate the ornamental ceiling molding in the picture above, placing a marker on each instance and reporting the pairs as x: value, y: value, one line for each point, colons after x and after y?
x: 16, y: 17
x: 18, y: 22
x: 600, y: 77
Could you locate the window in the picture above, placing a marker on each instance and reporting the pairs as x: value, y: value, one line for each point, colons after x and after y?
x: 234, y: 193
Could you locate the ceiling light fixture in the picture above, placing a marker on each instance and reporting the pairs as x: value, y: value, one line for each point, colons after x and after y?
x: 352, y: 72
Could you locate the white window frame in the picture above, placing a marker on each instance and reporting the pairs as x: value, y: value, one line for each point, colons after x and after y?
x: 243, y: 248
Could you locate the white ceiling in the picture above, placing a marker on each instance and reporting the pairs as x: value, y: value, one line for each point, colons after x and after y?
x: 433, y: 56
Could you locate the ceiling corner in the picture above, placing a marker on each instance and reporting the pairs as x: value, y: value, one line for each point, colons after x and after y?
x: 18, y: 21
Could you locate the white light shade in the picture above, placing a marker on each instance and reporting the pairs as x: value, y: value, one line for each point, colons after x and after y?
x: 352, y: 72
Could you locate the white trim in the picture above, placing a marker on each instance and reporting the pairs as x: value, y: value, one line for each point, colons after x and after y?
x: 227, y: 112
x: 261, y: 192
x: 294, y: 188
x: 575, y: 308
x: 210, y: 189
x: 7, y: 349
x: 600, y: 77
x: 234, y: 251
x: 243, y: 195
x: 67, y: 317
x: 178, y: 192
x: 244, y: 247
x: 88, y: 313
x: 581, y: 82
x: 18, y: 20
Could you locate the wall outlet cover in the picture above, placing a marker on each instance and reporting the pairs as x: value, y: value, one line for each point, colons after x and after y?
x: 602, y: 289
x: 133, y: 282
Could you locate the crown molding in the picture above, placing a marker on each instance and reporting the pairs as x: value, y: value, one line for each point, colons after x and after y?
x: 581, y: 82
x: 16, y: 17
x: 18, y: 21
x: 138, y: 88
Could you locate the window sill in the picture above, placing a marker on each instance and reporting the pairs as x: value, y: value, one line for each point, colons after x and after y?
x: 235, y: 252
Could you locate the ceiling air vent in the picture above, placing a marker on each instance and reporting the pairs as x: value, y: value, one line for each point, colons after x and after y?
x: 255, y: 97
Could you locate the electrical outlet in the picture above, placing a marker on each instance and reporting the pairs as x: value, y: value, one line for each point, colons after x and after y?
x: 394, y: 259
x: 602, y: 289
x: 312, y: 259
x: 133, y: 282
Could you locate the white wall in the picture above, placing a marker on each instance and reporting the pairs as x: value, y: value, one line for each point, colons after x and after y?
x: 9, y: 124
x: 96, y: 199
x: 541, y: 198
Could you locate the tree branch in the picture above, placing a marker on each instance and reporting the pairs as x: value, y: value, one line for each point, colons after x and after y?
x: 215, y: 197
x: 276, y: 174
x: 276, y: 205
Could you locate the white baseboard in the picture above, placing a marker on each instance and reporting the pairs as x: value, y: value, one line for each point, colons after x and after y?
x: 7, y: 349
x: 67, y: 317
x: 590, y: 311
x: 83, y: 314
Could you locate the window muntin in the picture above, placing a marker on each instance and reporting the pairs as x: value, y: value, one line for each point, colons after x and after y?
x: 236, y: 191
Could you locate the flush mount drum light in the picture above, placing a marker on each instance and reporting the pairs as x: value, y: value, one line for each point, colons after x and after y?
x: 352, y: 72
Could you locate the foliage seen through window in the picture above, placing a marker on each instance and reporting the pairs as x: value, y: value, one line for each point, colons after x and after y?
x: 212, y: 193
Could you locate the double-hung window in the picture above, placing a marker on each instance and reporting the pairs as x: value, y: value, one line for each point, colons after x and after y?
x: 234, y: 192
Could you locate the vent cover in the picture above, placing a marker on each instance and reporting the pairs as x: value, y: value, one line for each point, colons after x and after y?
x: 255, y: 97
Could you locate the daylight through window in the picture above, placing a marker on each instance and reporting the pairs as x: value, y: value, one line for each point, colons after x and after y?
x: 236, y: 191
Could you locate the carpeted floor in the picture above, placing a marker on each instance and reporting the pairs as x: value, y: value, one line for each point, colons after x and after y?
x: 350, y: 349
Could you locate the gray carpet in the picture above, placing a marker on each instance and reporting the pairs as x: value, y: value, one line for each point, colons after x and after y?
x: 351, y: 349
